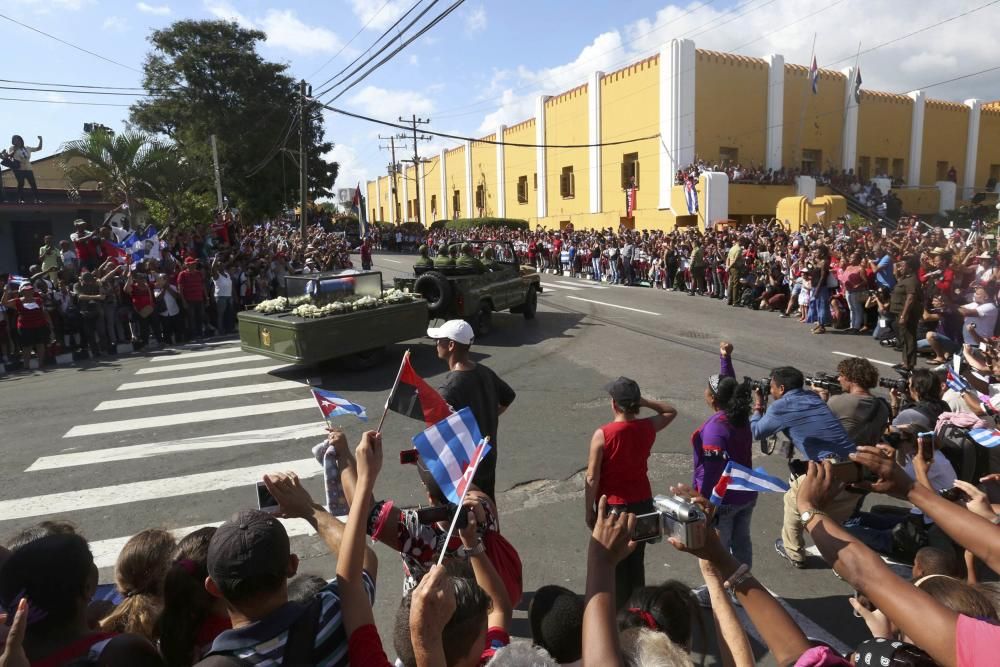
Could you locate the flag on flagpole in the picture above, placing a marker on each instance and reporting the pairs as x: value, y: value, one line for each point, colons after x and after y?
x: 451, y: 449
x: 741, y: 478
x: 814, y: 76
x: 857, y: 85
x: 630, y: 199
x: 691, y: 196
x: 20, y: 280
x: 413, y: 397
x: 332, y: 405
x: 987, y: 437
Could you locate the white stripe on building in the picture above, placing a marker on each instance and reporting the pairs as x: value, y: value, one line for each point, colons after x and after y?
x: 445, y: 202
x: 849, y: 140
x: 971, y: 149
x: 540, y: 173
x: 775, y: 111
x: 677, y: 91
x: 594, y: 138
x: 501, y: 174
x: 916, y: 137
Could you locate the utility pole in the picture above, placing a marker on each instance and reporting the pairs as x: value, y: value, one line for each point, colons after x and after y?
x: 303, y: 161
x: 218, y: 177
x: 392, y: 176
x: 414, y: 121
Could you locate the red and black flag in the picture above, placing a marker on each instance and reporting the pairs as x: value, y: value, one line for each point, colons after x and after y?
x: 413, y: 397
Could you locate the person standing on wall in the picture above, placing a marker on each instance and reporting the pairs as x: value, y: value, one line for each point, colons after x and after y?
x: 21, y: 157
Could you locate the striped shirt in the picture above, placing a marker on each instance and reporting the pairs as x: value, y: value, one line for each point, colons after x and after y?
x: 263, y: 642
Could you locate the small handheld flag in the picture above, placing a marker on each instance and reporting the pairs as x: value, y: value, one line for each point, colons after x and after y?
x: 741, y: 478
x: 987, y: 437
x: 449, y: 448
x: 956, y: 382
x: 413, y: 397
x: 691, y: 196
x: 332, y: 405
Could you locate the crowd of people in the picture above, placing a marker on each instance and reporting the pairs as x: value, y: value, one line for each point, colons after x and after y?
x: 760, y: 175
x: 88, y: 294
x: 232, y: 594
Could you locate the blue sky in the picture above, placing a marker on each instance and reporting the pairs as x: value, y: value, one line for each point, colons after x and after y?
x: 486, y: 62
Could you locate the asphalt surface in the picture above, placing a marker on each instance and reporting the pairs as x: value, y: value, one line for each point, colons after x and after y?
x: 64, y: 459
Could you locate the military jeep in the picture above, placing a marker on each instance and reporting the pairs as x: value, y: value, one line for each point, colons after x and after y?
x: 475, y: 293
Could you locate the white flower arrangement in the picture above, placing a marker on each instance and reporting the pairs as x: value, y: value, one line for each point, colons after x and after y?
x: 272, y: 306
x: 306, y: 307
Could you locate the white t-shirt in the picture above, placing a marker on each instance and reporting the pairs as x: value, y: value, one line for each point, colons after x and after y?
x: 223, y: 285
x: 985, y: 321
x: 169, y: 301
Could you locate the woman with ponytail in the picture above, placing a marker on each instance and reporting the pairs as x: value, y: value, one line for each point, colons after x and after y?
x: 139, y: 574
x: 724, y: 437
x: 191, y: 618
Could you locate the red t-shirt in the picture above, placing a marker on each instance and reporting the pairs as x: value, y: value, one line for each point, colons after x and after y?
x: 496, y: 639
x: 30, y: 315
x: 191, y: 285
x: 626, y: 451
x: 141, y: 296
x: 364, y: 648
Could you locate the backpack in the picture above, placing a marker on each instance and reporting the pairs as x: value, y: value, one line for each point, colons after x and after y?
x: 299, y: 646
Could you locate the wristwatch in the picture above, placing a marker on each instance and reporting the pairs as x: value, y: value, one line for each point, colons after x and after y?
x: 809, y: 515
x: 480, y: 548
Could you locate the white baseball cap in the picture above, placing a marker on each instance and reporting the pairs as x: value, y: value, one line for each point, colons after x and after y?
x: 457, y: 330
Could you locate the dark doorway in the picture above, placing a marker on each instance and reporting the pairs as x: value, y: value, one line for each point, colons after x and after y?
x: 27, y: 240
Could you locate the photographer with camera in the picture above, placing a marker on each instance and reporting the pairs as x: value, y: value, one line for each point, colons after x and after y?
x: 805, y: 418
x: 922, y: 399
x: 862, y: 415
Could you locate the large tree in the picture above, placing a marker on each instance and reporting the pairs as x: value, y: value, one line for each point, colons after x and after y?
x: 205, y: 78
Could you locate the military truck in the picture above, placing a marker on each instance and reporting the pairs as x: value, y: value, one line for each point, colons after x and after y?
x: 335, y: 315
x: 473, y: 293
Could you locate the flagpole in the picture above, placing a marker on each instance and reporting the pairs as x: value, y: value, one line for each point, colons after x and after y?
x: 454, y: 520
x: 399, y: 374
x: 802, y: 114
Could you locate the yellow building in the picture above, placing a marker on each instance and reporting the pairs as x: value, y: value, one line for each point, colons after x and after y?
x: 573, y: 161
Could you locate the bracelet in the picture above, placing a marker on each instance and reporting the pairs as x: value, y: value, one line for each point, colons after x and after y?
x: 741, y: 574
x: 480, y: 548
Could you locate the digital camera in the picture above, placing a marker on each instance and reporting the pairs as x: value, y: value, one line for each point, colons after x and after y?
x: 901, y: 385
x: 764, y: 384
x: 672, y: 516
x: 827, y: 382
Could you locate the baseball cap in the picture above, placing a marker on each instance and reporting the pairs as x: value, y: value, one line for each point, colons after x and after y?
x: 624, y: 390
x: 250, y: 545
x: 190, y: 260
x: 457, y: 330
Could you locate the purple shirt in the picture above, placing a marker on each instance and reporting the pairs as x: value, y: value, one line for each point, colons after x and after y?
x: 715, y: 443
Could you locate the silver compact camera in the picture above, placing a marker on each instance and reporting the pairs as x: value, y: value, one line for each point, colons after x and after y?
x: 672, y: 517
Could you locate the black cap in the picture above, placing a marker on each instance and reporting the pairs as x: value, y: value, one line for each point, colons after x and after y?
x: 879, y: 651
x: 251, y: 544
x: 625, y: 391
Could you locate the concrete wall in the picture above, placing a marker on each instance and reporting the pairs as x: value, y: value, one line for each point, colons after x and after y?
x: 520, y: 162
x: 566, y: 123
x: 812, y: 121
x: 989, y: 145
x: 946, y: 126
x: 731, y: 103
x: 884, y: 125
x: 455, y: 165
x: 484, y: 173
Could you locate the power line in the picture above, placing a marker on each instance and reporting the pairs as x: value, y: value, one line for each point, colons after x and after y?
x: 74, y: 85
x: 481, y: 141
x: 74, y: 46
x: 88, y: 104
x: 76, y: 92
x: 360, y: 30
x: 788, y: 25
x: 440, y: 17
x: 347, y: 76
x: 373, y: 45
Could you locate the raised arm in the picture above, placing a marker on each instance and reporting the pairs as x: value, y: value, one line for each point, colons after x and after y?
x: 486, y: 575
x: 726, y: 359
x: 592, y: 482
x: 295, y: 502
x: 665, y: 413
x: 609, y: 544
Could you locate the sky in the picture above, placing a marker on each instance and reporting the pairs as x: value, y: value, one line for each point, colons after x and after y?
x: 487, y: 61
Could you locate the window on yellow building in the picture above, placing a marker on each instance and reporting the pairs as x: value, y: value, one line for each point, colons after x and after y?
x: 630, y: 171
x: 897, y: 168
x: 728, y: 155
x: 534, y: 181
x: 864, y: 168
x: 399, y: 212
x: 456, y: 203
x: 522, y: 189
x: 381, y: 213
x: 409, y: 208
x: 881, y: 167
x: 941, y: 170
x: 567, y: 183
x: 434, y: 206
x: 480, y: 197
x: 812, y: 161
x: 995, y: 172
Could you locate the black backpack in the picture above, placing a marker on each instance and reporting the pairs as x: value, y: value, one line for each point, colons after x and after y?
x: 299, y: 646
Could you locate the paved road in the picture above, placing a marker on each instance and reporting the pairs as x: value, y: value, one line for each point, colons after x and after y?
x: 176, y: 438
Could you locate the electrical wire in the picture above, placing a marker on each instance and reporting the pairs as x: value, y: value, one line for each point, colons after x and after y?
x: 360, y: 30
x: 361, y: 55
x: 377, y: 53
x: 69, y: 44
x: 74, y: 85
x: 77, y: 92
x: 788, y: 25
x: 86, y: 104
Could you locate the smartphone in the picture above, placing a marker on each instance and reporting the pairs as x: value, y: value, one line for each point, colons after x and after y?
x: 648, y: 527
x: 409, y: 457
x: 954, y: 494
x: 265, y: 501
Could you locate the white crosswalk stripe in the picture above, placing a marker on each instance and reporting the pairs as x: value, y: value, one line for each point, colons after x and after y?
x: 228, y: 361
x: 582, y: 283
x: 196, y: 355
x: 204, y: 377
x: 238, y: 390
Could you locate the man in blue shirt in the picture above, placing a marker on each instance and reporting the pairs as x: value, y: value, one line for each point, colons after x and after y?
x: 817, y: 434
x: 883, y: 268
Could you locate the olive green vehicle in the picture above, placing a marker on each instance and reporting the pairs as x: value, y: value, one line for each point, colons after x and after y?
x: 482, y: 278
x: 365, y: 320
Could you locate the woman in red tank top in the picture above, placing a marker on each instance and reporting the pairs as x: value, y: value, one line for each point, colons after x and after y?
x: 616, y: 468
x: 34, y: 327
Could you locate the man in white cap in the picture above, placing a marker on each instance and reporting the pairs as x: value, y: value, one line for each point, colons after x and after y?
x: 474, y: 386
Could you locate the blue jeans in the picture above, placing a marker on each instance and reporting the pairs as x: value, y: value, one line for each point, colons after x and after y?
x: 596, y: 263
x: 874, y: 530
x: 819, y: 306
x: 733, y: 523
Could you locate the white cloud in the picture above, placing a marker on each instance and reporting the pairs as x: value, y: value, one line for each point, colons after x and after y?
x: 391, y: 104
x: 55, y: 97
x: 352, y: 171
x: 927, y: 62
x: 47, y: 6
x: 158, y: 10
x: 377, y: 16
x: 475, y: 21
x: 283, y: 28
x: 413, y: 59
x: 115, y: 24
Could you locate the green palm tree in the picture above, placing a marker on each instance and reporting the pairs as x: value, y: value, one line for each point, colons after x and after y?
x: 127, y: 166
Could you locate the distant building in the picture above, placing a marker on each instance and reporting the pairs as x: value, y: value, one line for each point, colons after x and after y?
x: 22, y: 226
x: 719, y: 107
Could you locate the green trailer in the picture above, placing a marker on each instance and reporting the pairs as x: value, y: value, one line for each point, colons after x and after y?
x: 343, y: 315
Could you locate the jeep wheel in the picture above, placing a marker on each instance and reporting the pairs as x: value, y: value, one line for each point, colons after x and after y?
x: 435, y: 288
x: 482, y: 322
x: 530, y: 304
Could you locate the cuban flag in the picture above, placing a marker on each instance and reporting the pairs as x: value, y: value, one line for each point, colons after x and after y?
x: 956, y: 382
x: 140, y: 245
x: 691, y: 196
x: 452, y: 449
x: 741, y: 478
x: 857, y: 87
x: 332, y: 405
x: 987, y: 437
x: 814, y: 76
x: 19, y: 280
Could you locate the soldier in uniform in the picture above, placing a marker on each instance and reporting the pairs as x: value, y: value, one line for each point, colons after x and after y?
x: 443, y: 259
x: 424, y: 261
x: 469, y: 261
